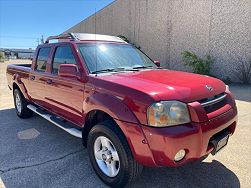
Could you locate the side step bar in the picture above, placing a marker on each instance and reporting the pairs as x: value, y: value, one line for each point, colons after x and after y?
x: 68, y: 127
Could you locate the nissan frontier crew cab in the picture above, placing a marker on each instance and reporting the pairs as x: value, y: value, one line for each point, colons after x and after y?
x: 128, y: 111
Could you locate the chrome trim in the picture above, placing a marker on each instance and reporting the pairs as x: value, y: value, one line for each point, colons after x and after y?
x: 208, y: 103
x: 72, y: 131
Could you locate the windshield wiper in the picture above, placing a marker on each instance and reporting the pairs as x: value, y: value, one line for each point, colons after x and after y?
x: 102, y: 70
x: 119, y: 69
x: 143, y: 67
x: 124, y: 69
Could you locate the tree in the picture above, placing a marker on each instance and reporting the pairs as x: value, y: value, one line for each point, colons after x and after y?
x: 199, y: 65
x: 1, y: 55
x: 243, y: 70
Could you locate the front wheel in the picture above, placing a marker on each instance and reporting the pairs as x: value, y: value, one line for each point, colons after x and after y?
x: 111, y: 156
x: 21, y: 105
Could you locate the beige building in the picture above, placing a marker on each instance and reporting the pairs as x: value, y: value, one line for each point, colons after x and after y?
x: 165, y: 28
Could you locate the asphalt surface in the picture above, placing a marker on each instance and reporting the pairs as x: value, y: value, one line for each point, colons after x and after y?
x: 35, y: 153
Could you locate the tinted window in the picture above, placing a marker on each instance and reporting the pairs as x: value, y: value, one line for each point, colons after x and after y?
x: 42, y: 59
x: 63, y: 55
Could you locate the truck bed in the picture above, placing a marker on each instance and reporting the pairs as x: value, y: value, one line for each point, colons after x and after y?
x: 18, y: 73
x: 23, y: 65
x: 18, y: 67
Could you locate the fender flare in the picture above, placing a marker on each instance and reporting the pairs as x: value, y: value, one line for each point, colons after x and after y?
x: 17, y: 80
x: 127, y: 122
x: 110, y: 105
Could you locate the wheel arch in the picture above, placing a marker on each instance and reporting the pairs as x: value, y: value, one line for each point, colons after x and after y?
x: 15, y: 86
x: 92, y: 118
x: 101, y: 107
x: 18, y: 84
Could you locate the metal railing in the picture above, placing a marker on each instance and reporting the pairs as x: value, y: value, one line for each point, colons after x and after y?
x: 62, y: 36
x: 85, y: 37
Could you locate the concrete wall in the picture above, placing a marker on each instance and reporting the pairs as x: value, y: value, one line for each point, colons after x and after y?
x: 165, y: 28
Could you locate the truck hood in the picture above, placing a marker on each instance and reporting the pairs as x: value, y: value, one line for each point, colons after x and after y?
x: 164, y: 84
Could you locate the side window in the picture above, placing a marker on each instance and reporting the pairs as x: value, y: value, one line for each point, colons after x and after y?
x: 63, y: 55
x: 42, y: 59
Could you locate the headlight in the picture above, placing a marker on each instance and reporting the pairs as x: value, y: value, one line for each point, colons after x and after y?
x: 227, y: 88
x: 167, y: 113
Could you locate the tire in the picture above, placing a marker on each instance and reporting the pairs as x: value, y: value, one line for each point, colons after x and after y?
x: 21, y: 105
x: 126, y: 168
x: 203, y: 158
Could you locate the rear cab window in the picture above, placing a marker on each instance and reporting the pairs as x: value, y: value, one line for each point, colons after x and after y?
x: 63, y: 55
x: 42, y: 59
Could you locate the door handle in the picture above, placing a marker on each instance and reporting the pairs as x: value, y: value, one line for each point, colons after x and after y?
x: 32, y: 77
x: 49, y: 81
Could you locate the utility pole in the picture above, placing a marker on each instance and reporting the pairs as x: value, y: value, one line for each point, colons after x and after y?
x: 42, y: 39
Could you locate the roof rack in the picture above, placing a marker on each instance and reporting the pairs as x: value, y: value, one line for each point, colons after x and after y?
x: 61, y: 36
x: 85, y: 37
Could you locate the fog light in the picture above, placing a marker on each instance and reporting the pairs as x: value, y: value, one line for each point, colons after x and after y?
x: 180, y: 155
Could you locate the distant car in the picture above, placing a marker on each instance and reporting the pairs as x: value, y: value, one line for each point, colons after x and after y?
x: 128, y: 111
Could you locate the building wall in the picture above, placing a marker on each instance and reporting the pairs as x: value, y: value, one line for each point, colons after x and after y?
x: 165, y: 28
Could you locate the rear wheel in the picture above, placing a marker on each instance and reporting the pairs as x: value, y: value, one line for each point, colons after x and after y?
x: 111, y: 156
x: 21, y: 105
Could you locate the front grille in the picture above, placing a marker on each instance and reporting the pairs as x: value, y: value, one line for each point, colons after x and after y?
x: 213, y: 103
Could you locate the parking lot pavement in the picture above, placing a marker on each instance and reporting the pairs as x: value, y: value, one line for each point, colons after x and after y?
x: 35, y: 153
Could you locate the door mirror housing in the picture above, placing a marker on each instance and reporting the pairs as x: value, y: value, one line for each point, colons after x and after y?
x: 157, y: 63
x: 69, y: 71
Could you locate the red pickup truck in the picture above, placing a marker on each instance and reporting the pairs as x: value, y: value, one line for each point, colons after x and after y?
x: 128, y: 111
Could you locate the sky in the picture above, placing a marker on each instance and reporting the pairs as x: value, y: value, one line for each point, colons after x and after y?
x: 22, y: 22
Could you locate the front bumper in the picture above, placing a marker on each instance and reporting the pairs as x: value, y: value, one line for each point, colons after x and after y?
x: 194, y: 138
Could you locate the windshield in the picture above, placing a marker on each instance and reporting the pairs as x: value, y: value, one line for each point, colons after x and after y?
x: 114, y: 57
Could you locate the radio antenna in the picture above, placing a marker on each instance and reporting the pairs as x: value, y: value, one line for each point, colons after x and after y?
x: 96, y: 58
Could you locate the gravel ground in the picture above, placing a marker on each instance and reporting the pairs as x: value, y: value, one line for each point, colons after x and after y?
x: 35, y: 153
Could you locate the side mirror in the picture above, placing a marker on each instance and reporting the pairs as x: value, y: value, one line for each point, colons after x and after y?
x: 69, y: 71
x: 157, y: 63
